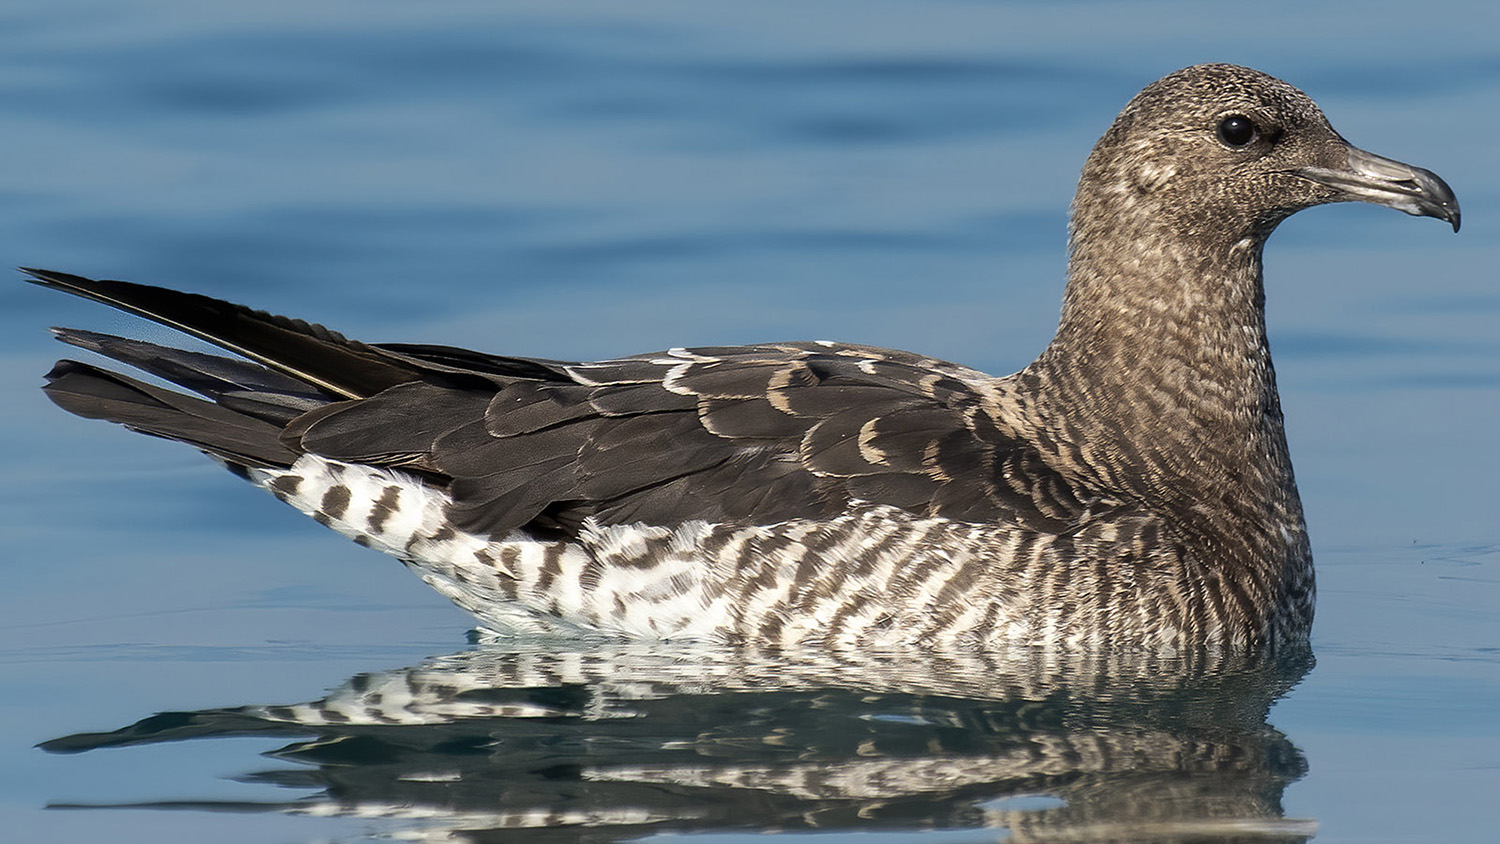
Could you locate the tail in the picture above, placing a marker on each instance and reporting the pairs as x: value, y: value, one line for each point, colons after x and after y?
x: 297, y: 367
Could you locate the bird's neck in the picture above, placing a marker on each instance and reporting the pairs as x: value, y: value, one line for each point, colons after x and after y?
x: 1159, y: 383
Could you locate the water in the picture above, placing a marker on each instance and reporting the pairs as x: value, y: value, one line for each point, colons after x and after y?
x: 592, y: 179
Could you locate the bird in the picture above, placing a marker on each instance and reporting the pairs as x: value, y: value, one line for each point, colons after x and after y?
x: 1130, y: 488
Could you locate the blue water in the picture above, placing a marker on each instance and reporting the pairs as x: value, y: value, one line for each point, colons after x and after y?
x: 586, y: 179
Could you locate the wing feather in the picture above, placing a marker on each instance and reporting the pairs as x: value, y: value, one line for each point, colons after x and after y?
x: 750, y: 435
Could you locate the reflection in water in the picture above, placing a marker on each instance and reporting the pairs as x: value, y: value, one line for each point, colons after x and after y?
x: 614, y: 742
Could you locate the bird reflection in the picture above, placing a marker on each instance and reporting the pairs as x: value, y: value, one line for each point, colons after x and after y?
x: 613, y: 742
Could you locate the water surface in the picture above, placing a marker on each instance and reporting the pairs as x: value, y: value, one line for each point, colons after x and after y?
x: 587, y: 179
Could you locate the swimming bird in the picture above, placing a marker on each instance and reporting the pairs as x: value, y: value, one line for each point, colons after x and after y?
x: 1130, y: 487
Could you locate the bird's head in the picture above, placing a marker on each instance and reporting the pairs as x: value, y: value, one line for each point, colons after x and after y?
x: 1221, y: 148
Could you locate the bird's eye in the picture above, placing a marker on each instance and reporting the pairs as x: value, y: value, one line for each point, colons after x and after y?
x: 1237, y: 131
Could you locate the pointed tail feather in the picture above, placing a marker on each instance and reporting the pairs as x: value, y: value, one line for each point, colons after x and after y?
x: 310, y: 353
x: 239, y: 385
x: 96, y: 393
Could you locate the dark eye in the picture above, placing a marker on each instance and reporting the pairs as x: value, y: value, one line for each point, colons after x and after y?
x: 1236, y: 130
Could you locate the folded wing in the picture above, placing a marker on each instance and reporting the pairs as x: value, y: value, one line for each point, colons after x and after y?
x: 746, y: 435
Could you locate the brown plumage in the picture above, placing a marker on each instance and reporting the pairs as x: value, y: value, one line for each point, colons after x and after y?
x: 1132, y: 484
